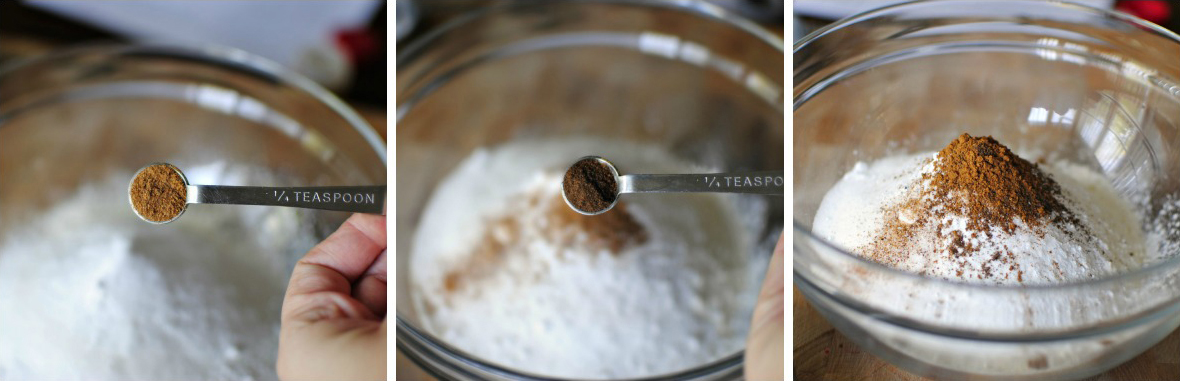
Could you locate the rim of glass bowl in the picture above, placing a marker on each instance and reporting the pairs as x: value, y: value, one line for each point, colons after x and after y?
x: 695, y: 7
x: 420, y: 339
x: 226, y: 58
x: 1143, y: 272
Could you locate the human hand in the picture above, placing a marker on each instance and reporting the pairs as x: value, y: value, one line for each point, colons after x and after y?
x: 764, y: 346
x: 333, y: 322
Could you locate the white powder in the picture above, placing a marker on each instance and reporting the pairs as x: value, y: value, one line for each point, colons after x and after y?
x: 91, y: 292
x: 554, y: 305
x: 853, y: 214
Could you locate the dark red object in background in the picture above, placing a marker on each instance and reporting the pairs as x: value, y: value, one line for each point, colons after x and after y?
x: 358, y: 44
x: 1156, y: 11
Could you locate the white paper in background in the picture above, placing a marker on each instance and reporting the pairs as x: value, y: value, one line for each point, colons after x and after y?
x: 829, y: 9
x: 296, y: 34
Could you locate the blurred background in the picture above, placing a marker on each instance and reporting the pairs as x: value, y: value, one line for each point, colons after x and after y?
x: 814, y: 14
x: 339, y: 44
x: 417, y: 17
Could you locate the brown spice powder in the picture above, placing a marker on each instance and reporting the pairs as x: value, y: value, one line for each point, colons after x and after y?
x: 590, y: 186
x: 613, y: 232
x: 992, y: 187
x: 982, y: 180
x: 158, y: 193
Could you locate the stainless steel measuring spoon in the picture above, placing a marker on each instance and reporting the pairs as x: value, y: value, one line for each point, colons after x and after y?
x: 753, y: 182
x: 357, y: 199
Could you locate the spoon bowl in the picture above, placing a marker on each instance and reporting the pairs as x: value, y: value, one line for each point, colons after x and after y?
x: 614, y: 176
x: 752, y: 182
x: 356, y: 199
x: 131, y: 199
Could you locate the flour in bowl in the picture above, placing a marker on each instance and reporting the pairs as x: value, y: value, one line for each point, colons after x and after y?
x: 977, y: 213
x: 1002, y: 230
x: 504, y: 270
x: 91, y: 292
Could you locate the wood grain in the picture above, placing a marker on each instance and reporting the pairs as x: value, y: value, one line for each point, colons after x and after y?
x: 822, y: 353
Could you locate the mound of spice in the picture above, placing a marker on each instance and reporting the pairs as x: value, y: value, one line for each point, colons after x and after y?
x: 981, y: 181
x: 158, y: 193
x: 590, y: 186
x: 985, y: 181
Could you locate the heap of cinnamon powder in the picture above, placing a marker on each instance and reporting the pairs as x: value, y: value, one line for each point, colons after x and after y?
x: 982, y: 181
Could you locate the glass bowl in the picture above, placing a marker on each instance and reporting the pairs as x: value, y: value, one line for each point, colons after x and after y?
x: 704, y: 85
x: 1050, y: 80
x: 77, y: 118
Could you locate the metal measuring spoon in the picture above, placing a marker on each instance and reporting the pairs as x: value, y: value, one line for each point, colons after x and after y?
x: 753, y: 182
x: 357, y: 199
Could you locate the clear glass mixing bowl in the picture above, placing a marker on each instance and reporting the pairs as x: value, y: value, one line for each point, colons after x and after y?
x: 704, y: 85
x: 83, y: 115
x: 1058, y: 80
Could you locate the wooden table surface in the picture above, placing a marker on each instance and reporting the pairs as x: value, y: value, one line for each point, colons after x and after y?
x: 822, y: 353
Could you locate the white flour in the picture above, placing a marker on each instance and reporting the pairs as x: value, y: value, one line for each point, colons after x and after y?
x: 91, y: 292
x: 554, y: 305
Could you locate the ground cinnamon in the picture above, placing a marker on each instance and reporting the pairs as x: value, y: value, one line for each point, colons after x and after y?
x: 158, y: 193
x: 992, y: 187
x: 983, y: 181
x: 610, y: 232
x: 590, y: 186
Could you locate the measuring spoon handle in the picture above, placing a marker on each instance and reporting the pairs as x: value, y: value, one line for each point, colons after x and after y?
x: 756, y: 182
x: 358, y: 199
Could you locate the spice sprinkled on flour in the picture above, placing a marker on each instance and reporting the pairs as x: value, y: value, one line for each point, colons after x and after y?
x: 976, y: 212
x: 972, y: 191
x: 505, y: 270
x: 549, y: 220
x: 158, y: 193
